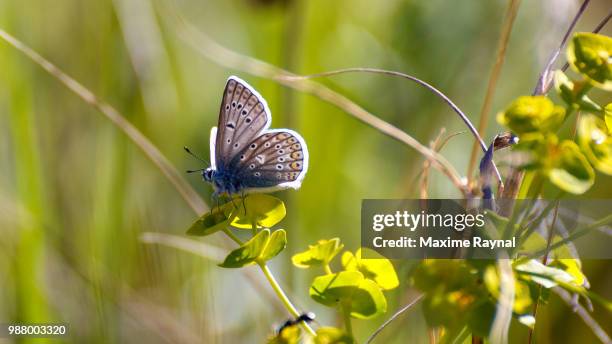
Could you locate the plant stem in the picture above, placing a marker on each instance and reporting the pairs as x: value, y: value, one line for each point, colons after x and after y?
x: 393, y: 317
x: 233, y: 236
x: 283, y: 297
x: 504, y: 38
x: 327, y: 269
x: 426, y: 85
x: 544, y: 261
x: 346, y: 312
x: 544, y: 81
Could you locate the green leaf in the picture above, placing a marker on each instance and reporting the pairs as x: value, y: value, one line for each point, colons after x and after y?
x: 571, y: 171
x: 261, y: 209
x: 318, y: 254
x: 608, y: 117
x: 572, y: 267
x: 376, y: 267
x: 215, y: 220
x: 590, y: 54
x: 249, y: 252
x: 596, y: 142
x: 541, y: 274
x: 573, y: 93
x: 277, y: 243
x: 364, y: 297
x: 332, y: 335
x: 528, y: 114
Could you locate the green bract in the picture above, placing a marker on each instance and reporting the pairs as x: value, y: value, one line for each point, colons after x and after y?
x: 573, y: 93
x: 590, y: 54
x: 570, y: 170
x: 215, y: 220
x: 332, y: 335
x: 563, y: 163
x: 377, y: 268
x: 529, y: 114
x: 261, y: 210
x: 319, y: 254
x: 362, y: 296
x: 247, y: 253
x: 596, y: 142
x: 277, y: 243
x: 260, y: 248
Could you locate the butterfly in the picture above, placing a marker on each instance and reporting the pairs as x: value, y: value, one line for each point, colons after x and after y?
x: 246, y: 156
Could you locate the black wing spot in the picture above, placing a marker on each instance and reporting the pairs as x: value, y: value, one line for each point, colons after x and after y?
x: 253, y: 145
x: 279, y: 167
x: 248, y: 120
x: 226, y: 107
x: 281, y: 159
x: 239, y: 106
x: 267, y: 144
x: 229, y: 140
x: 236, y: 145
x: 257, y: 174
x: 242, y: 157
x: 231, y: 125
x: 280, y: 151
x: 252, y: 166
x: 244, y: 112
x: 233, y: 104
x: 278, y: 146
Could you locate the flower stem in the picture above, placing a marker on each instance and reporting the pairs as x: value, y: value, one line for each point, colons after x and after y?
x: 283, y: 297
x: 346, y: 312
x: 485, y: 110
x: 328, y: 269
x: 233, y: 236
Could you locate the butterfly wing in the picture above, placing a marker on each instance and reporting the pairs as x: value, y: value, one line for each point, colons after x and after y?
x: 243, y: 115
x: 275, y: 160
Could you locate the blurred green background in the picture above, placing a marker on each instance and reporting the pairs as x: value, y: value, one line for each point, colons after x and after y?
x: 76, y: 194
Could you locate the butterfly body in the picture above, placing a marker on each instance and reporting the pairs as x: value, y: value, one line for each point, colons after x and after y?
x: 247, y: 156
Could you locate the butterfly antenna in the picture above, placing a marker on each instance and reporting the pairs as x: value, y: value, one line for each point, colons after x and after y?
x: 192, y: 171
x: 195, y: 156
